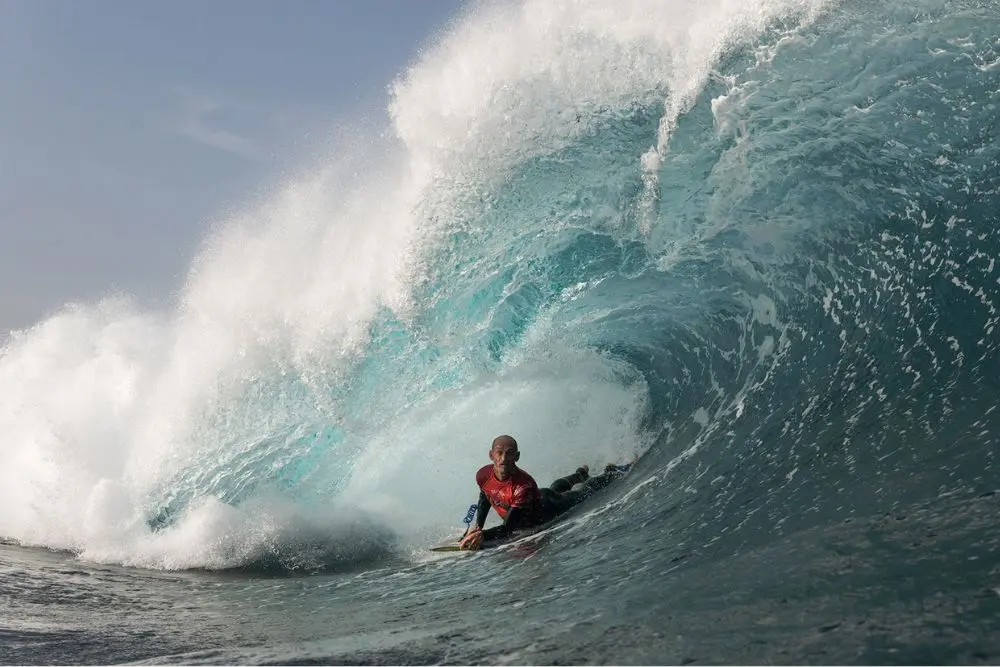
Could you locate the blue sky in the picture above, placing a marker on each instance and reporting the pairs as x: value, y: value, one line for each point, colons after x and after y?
x: 126, y: 128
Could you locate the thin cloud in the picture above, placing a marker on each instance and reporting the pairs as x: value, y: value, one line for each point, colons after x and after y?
x: 194, y: 121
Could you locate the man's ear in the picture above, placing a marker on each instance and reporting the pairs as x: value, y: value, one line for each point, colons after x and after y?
x: 517, y: 457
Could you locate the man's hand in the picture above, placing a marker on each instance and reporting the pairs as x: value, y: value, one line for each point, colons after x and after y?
x: 473, y: 538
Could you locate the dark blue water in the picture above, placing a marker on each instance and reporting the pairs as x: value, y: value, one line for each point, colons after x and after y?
x: 753, y: 248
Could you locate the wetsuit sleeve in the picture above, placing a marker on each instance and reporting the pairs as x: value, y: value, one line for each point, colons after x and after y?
x: 517, y: 519
x: 482, y: 509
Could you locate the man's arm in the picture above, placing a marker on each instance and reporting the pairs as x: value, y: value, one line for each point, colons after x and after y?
x: 473, y: 536
x: 482, y: 509
x: 517, y: 519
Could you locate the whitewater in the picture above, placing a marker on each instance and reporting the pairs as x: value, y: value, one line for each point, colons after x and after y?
x: 751, y: 246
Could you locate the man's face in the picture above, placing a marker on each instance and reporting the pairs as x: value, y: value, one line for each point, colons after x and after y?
x: 504, y: 456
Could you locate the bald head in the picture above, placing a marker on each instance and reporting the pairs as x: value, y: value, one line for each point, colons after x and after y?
x: 505, y: 441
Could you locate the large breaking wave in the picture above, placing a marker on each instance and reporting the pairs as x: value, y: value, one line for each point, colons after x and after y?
x: 752, y: 242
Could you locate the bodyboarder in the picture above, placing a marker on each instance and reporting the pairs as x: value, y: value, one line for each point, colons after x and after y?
x: 515, y: 495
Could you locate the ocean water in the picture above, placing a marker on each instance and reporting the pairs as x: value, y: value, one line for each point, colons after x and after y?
x: 750, y: 245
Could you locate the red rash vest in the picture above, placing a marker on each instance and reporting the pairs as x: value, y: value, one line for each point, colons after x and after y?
x: 519, y: 490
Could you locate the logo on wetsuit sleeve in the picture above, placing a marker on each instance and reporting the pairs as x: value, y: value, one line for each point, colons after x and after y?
x: 468, y: 515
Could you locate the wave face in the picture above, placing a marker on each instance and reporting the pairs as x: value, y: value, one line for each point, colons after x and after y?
x: 751, y: 243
